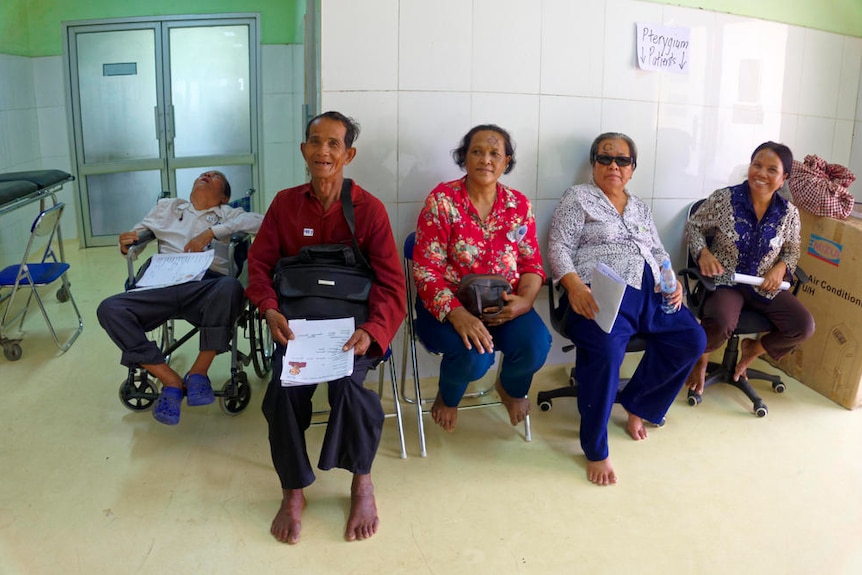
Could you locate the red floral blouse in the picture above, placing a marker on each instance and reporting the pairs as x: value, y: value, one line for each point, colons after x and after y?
x: 452, y: 241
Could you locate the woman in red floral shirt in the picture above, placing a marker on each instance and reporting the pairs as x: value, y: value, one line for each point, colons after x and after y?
x: 476, y: 225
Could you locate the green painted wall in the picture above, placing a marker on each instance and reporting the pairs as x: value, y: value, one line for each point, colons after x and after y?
x: 14, y: 37
x: 840, y: 16
x: 33, y: 27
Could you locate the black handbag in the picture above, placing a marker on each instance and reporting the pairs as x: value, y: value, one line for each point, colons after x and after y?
x: 326, y: 281
x: 480, y: 292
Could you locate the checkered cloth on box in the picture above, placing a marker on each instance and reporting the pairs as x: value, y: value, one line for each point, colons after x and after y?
x: 821, y: 188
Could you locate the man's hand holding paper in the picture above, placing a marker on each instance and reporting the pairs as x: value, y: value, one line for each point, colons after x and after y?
x: 317, y: 354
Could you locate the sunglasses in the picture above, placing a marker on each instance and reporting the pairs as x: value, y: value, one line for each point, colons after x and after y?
x: 622, y: 161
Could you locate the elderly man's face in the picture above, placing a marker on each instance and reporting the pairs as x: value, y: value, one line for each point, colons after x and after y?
x: 325, y: 152
x: 208, y: 190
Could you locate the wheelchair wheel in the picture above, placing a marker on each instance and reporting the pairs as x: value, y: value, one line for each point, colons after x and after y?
x: 261, y: 344
x: 138, y: 393
x: 234, y: 398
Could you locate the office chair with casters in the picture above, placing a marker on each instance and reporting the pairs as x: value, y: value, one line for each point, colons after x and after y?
x: 411, y: 345
x: 559, y: 312
x: 696, y: 289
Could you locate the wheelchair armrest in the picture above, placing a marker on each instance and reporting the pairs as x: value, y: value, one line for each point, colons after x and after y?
x: 135, y: 249
x: 240, y: 243
x: 138, y: 246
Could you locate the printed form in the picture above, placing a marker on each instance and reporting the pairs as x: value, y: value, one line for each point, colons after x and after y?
x: 315, y: 354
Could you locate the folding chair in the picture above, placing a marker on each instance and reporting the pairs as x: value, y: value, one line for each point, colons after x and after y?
x: 410, y: 341
x: 387, y: 359
x: 37, y: 274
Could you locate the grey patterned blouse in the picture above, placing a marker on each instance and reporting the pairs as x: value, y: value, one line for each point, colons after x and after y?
x: 727, y: 223
x: 587, y: 229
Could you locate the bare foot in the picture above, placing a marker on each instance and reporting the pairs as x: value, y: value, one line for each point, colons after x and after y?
x: 750, y: 349
x: 363, y: 521
x: 635, y: 427
x: 287, y: 523
x: 518, y: 408
x: 698, y: 375
x: 601, y: 472
x: 443, y: 415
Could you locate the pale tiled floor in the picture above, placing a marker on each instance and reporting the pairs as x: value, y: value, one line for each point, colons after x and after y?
x: 90, y: 487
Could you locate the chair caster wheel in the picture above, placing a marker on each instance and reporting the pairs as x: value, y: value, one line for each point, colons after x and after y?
x: 546, y: 405
x: 234, y: 401
x: 694, y: 399
x: 779, y: 387
x: 760, y: 410
x: 12, y: 351
x: 138, y: 393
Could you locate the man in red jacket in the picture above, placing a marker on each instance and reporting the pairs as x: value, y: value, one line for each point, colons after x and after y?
x: 306, y: 215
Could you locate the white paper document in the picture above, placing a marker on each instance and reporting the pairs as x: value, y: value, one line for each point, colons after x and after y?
x: 608, y: 289
x: 315, y: 354
x: 173, y: 269
x: 755, y: 281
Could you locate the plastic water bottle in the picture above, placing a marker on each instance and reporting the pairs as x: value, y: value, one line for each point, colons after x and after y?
x: 668, y: 287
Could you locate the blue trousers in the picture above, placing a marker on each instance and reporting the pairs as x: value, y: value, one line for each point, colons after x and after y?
x: 675, y: 341
x: 524, y: 342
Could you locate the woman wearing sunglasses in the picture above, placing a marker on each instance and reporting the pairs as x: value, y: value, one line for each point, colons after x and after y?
x: 600, y: 222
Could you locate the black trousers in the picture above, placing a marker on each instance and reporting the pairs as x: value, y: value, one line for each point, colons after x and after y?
x: 212, y: 305
x: 352, y: 434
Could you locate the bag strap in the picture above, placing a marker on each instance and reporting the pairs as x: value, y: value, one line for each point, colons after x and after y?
x: 347, y: 209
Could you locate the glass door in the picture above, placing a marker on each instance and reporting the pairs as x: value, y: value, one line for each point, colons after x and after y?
x: 153, y: 105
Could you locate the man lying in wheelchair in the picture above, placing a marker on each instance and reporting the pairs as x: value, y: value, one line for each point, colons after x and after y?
x: 213, y: 304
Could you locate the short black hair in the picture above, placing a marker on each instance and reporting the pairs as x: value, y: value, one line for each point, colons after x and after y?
x: 459, y: 154
x: 782, y: 151
x: 351, y: 125
x: 226, y: 190
x: 633, y: 149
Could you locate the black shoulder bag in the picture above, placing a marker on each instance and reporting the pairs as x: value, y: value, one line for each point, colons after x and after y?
x: 326, y: 281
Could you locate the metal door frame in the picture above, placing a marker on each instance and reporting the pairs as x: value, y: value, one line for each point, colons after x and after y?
x: 165, y: 163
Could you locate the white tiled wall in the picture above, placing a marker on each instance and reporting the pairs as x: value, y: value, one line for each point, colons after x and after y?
x: 282, y: 117
x: 32, y: 137
x: 556, y: 73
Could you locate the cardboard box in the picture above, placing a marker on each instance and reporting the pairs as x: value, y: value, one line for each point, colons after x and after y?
x: 831, y: 361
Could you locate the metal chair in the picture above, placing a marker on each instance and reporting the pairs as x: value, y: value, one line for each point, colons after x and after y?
x: 388, y: 360
x: 696, y: 289
x: 410, y: 344
x: 42, y: 272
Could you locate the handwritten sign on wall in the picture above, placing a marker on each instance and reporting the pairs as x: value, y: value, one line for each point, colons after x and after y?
x: 663, y: 48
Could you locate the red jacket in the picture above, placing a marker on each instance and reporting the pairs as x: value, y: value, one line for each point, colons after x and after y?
x: 296, y: 219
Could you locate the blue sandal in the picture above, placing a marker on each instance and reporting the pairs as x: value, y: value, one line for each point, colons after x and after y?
x: 199, y: 391
x: 167, y: 408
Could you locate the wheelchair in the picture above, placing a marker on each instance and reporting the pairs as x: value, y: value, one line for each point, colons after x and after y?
x: 138, y: 392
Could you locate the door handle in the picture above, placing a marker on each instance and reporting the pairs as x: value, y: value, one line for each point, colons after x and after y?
x: 171, y: 127
x: 159, y: 124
